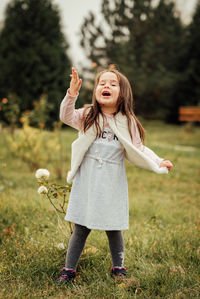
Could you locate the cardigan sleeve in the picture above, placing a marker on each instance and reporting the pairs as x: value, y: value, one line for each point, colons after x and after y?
x: 137, y: 142
x: 68, y: 114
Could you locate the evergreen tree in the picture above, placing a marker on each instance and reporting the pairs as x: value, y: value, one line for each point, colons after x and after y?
x: 187, y: 91
x: 33, y: 55
x: 141, y: 40
x: 190, y: 86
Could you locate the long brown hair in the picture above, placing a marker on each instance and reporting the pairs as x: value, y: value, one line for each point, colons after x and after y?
x: 124, y: 105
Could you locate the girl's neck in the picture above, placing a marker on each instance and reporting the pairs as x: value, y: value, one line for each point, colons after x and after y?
x: 108, y: 110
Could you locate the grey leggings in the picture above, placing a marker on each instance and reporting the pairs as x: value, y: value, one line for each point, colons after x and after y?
x: 77, y: 243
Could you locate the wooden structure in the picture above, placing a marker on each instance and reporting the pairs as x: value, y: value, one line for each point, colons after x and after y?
x: 189, y: 113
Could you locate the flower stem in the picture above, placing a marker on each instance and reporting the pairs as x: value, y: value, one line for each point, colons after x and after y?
x: 53, y: 204
x: 70, y: 227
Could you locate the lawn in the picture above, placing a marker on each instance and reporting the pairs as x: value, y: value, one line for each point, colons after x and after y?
x: 162, y: 245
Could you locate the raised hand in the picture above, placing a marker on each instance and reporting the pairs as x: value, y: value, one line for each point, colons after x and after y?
x: 75, y: 83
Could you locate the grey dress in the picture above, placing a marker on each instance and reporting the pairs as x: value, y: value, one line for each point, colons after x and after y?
x: 99, y: 195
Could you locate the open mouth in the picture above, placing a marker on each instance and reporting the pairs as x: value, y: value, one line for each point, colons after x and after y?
x: 106, y: 94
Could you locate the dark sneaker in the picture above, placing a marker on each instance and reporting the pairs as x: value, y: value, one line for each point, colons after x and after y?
x: 66, y: 276
x: 118, y: 271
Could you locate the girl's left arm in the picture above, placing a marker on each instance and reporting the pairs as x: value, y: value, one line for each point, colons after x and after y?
x: 137, y: 142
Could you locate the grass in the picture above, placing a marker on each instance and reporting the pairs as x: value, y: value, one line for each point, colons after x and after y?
x: 162, y: 244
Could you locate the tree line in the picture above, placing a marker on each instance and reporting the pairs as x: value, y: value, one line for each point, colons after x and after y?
x: 149, y: 43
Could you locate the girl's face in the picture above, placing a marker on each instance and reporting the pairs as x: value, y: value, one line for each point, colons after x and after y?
x: 107, y: 92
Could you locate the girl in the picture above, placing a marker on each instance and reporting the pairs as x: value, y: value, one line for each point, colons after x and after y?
x: 108, y: 132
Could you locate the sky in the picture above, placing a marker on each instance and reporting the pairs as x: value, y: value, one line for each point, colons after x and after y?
x: 73, y: 12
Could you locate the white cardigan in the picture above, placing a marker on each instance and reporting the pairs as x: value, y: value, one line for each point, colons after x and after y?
x: 120, y: 128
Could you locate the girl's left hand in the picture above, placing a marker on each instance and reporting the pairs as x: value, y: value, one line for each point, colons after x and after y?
x: 166, y: 163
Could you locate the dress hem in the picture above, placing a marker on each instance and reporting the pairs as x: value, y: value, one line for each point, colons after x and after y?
x: 108, y: 228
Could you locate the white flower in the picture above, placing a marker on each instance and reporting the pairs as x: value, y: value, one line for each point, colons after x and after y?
x: 42, y: 173
x: 61, y: 246
x: 42, y: 190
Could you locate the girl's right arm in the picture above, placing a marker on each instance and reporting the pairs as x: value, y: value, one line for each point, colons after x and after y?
x: 68, y: 114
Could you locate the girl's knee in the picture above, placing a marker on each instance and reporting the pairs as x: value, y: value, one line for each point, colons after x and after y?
x: 81, y: 230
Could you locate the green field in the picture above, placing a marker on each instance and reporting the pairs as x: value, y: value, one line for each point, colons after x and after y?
x: 162, y: 245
